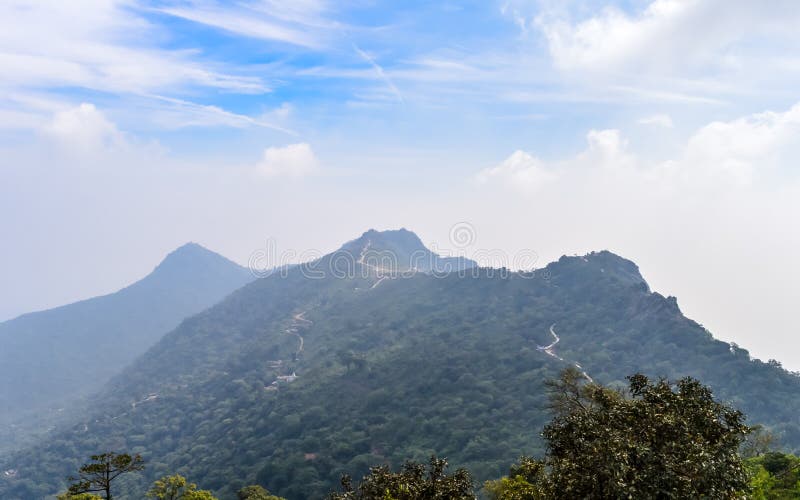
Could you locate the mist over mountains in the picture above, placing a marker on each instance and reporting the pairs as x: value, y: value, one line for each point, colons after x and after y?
x: 54, y: 357
x: 297, y: 377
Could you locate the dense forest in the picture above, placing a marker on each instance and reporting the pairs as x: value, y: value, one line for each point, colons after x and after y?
x: 654, y: 439
x: 293, y: 381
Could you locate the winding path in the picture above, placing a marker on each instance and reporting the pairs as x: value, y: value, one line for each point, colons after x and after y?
x: 298, y: 321
x: 549, y: 350
x: 380, y: 272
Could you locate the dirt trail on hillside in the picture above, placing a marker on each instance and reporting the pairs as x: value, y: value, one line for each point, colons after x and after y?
x: 550, y: 351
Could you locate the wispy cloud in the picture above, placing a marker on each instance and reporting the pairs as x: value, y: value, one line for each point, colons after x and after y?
x: 660, y: 120
x: 103, y: 47
x: 99, y: 46
x: 379, y: 72
x: 182, y: 113
x: 245, y: 22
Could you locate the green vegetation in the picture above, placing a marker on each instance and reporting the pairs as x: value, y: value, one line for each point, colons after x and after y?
x: 177, y: 488
x: 774, y: 476
x: 51, y: 358
x: 659, y: 440
x: 79, y: 496
x: 99, y: 474
x: 256, y: 493
x: 653, y: 440
x: 103, y: 470
x: 413, y: 482
x: 411, y: 368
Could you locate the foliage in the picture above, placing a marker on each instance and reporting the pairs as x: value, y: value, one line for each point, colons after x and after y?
x: 661, y: 440
x: 99, y: 474
x: 774, y: 476
x: 79, y: 496
x: 256, y: 492
x: 413, y: 482
x: 177, y: 488
x: 443, y: 365
x: 525, y: 481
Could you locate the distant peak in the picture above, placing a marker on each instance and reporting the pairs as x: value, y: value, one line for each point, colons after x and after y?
x: 405, y: 247
x: 188, y: 249
x: 402, y: 238
x: 191, y: 256
x: 604, y: 262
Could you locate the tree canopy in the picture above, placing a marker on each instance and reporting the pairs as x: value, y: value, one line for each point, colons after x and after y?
x: 256, y: 492
x: 99, y: 474
x: 177, y: 488
x: 657, y: 440
x: 415, y: 481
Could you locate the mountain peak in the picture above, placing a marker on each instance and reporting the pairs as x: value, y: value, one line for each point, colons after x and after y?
x: 404, y: 249
x: 599, y: 263
x: 398, y: 238
x: 186, y: 252
x: 192, y: 258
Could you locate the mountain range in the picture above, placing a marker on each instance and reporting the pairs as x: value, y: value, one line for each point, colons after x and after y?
x: 345, y: 362
x: 52, y: 358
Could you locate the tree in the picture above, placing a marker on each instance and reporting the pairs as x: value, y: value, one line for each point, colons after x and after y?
x: 79, y: 496
x: 758, y: 442
x: 97, y: 475
x: 524, y: 482
x: 177, y: 488
x: 658, y: 440
x: 774, y: 475
x: 256, y: 493
x: 413, y: 482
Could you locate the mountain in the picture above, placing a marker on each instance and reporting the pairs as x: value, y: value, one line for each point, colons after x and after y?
x: 52, y: 357
x: 303, y: 375
x: 395, y: 252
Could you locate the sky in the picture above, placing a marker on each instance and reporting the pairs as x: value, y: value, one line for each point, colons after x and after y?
x: 666, y: 131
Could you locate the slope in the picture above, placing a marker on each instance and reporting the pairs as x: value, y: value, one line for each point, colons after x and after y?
x: 299, y: 377
x: 51, y: 357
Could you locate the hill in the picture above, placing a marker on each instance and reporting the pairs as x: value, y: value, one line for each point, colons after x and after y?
x: 53, y: 357
x: 303, y: 375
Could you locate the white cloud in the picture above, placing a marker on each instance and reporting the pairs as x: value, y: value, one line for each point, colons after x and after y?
x: 521, y: 171
x: 96, y: 44
x: 660, y: 120
x: 719, y: 155
x: 84, y: 129
x: 299, y: 22
x: 606, y: 149
x: 241, y: 24
x: 742, y: 148
x: 666, y: 35
x: 172, y: 113
x: 294, y: 160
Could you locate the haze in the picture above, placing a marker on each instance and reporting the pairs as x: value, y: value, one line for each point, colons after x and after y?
x: 664, y: 131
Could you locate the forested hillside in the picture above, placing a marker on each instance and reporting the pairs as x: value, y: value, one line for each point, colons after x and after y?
x: 297, y: 378
x: 50, y: 358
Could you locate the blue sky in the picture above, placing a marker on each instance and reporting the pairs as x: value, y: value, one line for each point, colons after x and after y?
x: 664, y: 130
